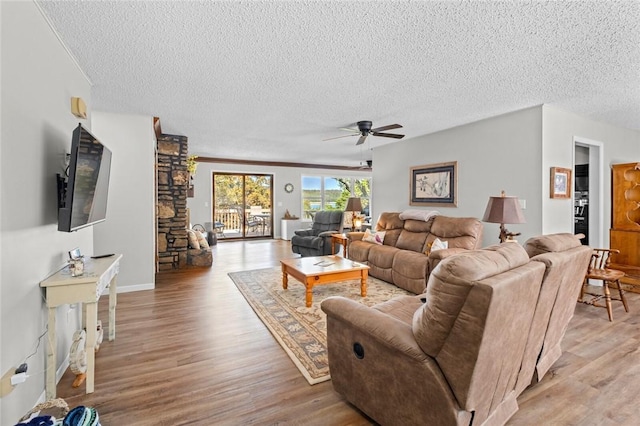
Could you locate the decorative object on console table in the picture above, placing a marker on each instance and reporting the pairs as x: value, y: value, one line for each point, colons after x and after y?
x: 625, y: 223
x: 354, y: 205
x: 560, y: 183
x: 434, y: 185
x: 503, y: 210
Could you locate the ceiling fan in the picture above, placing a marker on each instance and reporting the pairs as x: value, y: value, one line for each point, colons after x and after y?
x: 364, y: 129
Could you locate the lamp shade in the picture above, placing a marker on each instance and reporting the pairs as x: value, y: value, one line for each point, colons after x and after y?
x: 503, y: 209
x: 353, y: 205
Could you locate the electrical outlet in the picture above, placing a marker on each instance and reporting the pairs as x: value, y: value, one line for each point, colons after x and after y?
x: 16, y: 379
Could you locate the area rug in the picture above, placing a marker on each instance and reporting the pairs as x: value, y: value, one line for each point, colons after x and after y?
x: 301, y: 331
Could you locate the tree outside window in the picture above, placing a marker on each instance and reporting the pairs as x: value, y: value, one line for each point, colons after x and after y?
x: 332, y: 193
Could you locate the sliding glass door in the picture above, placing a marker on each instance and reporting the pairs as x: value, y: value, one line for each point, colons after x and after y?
x: 242, y: 203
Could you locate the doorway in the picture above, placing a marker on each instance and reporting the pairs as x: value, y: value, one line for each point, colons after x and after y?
x: 588, y: 195
x: 242, y: 204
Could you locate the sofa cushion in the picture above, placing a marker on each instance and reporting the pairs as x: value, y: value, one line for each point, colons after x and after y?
x: 462, y: 232
x: 359, y: 251
x: 450, y: 284
x: 401, y: 307
x: 413, y: 241
x: 392, y: 225
x: 381, y: 260
x: 437, y: 244
x: 373, y: 237
x: 202, y: 240
x: 551, y: 243
x: 328, y: 220
x: 410, y: 270
x: 193, y: 239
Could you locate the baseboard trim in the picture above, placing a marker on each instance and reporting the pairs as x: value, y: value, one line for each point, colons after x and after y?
x: 63, y: 367
x: 136, y: 287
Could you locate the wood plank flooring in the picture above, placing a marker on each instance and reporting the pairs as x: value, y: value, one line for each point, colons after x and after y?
x: 192, y: 352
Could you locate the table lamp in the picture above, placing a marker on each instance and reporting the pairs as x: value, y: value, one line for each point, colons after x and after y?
x: 503, y: 210
x: 353, y: 205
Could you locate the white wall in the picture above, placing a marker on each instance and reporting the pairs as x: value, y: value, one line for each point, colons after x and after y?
x: 130, y: 225
x: 200, y: 205
x: 559, y: 131
x: 38, y: 80
x: 500, y: 153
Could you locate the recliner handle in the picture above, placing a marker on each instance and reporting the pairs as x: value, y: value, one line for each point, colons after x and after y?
x: 358, y: 350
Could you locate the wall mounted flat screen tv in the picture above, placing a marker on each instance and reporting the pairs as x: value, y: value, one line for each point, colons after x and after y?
x: 84, y: 201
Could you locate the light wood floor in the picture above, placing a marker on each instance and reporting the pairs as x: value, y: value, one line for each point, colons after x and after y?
x: 192, y: 352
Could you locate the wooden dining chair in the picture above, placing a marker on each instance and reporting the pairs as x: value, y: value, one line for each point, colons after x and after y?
x: 599, y: 270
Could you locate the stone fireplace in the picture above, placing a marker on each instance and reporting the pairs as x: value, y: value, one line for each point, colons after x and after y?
x: 171, y: 207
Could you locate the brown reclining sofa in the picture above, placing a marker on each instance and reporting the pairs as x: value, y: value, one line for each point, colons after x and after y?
x: 404, y: 258
x: 487, y: 326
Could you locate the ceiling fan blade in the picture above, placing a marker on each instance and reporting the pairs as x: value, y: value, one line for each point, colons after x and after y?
x: 387, y: 135
x: 338, y: 137
x: 361, y: 140
x: 350, y: 129
x: 389, y: 127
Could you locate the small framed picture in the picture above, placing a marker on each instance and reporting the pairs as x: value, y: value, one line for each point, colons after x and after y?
x: 560, y: 183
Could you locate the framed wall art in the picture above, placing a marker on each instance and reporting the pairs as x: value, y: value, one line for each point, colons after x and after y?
x: 560, y: 183
x: 434, y: 185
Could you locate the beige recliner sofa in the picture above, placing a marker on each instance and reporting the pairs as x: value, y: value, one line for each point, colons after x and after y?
x: 463, y: 351
x: 404, y: 258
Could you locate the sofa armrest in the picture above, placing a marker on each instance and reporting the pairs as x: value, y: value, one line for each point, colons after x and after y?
x: 438, y: 255
x: 305, y: 232
x: 386, y: 330
x: 325, y: 234
x: 355, y: 236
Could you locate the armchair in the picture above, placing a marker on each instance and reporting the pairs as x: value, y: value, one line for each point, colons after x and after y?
x: 316, y: 241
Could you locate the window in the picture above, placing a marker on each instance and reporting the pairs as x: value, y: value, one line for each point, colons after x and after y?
x: 332, y: 193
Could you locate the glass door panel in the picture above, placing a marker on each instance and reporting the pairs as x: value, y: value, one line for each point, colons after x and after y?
x: 242, y: 204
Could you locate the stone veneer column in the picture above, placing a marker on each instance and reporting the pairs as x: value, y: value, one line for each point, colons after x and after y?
x: 172, y: 202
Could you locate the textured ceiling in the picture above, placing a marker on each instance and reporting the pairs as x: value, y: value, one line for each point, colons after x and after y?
x: 269, y: 80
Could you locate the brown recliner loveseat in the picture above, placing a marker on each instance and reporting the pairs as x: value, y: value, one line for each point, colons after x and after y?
x: 404, y: 258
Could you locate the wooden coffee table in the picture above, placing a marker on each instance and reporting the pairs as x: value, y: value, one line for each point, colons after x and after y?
x: 318, y: 270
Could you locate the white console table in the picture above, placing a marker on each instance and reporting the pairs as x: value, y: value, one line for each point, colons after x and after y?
x: 62, y: 288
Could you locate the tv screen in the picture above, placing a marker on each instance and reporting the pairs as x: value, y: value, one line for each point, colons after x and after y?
x: 85, y: 198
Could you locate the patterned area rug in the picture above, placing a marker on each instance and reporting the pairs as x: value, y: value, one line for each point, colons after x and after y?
x: 301, y: 331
